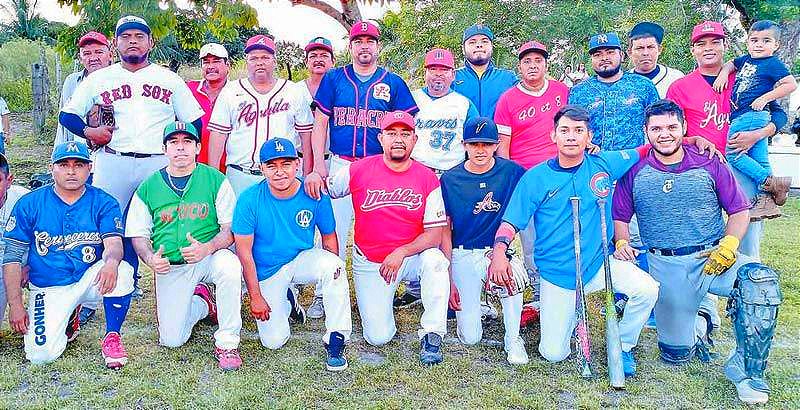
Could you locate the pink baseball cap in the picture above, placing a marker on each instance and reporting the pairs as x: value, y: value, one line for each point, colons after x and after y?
x: 92, y: 37
x: 319, y: 43
x: 259, y: 42
x: 532, y: 45
x: 397, y: 117
x: 708, y: 28
x: 364, y: 28
x: 441, y: 57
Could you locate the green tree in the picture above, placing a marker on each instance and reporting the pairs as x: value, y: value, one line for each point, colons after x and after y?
x: 785, y: 12
x: 25, y: 22
x: 350, y: 11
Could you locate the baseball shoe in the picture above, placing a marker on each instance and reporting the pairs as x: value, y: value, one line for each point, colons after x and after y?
x: 430, y: 349
x: 113, y: 351
x: 488, y: 311
x: 73, y: 324
x: 204, y: 292
x: 137, y: 293
x: 336, y: 361
x: 747, y: 394
x: 316, y: 310
x: 516, y: 353
x: 86, y: 315
x: 451, y: 314
x: 530, y: 314
x: 296, y: 314
x: 228, y: 359
x: 628, y: 363
x: 406, y: 300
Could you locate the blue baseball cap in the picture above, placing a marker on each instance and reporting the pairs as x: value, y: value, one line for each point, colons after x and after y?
x: 277, y: 148
x: 480, y: 129
x: 604, y: 40
x: 647, y: 29
x: 70, y: 150
x: 475, y: 30
x: 131, y: 22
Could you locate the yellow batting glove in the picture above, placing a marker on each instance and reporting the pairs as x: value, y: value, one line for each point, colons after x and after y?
x: 722, y: 257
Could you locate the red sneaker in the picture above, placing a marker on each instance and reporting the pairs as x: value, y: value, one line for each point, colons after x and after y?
x: 73, y: 324
x: 530, y: 314
x: 204, y: 292
x: 113, y: 351
x: 228, y: 359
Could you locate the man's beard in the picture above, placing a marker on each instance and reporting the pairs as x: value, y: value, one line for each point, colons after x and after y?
x: 479, y: 61
x: 134, y: 59
x: 610, y: 72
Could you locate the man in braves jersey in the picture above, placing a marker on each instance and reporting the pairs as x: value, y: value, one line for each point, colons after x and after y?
x: 399, y: 217
x: 72, y: 233
x: 475, y: 194
x: 644, y: 48
x: 252, y: 110
x: 145, y: 98
x: 180, y: 222
x: 351, y: 102
x: 480, y: 80
x: 215, y: 65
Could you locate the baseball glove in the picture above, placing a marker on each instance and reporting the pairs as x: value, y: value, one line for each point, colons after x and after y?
x: 40, y: 180
x: 99, y: 114
x: 519, y: 277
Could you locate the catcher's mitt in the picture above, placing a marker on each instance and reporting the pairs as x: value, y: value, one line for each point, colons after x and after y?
x: 40, y: 180
x: 519, y: 277
x: 100, y: 114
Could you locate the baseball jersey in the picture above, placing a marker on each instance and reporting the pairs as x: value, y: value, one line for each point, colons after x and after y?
x: 196, y: 87
x: 678, y: 205
x: 483, y: 90
x: 528, y: 118
x: 144, y: 101
x: 475, y: 202
x: 159, y: 213
x: 391, y: 208
x: 281, y: 228
x: 754, y: 78
x: 616, y: 110
x: 249, y: 118
x: 544, y: 193
x: 63, y: 240
x: 662, y: 77
x: 439, y: 126
x: 707, y: 112
x: 13, y: 194
x: 355, y: 108
x: 70, y: 84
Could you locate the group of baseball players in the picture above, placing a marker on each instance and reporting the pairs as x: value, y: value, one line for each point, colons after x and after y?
x: 224, y: 185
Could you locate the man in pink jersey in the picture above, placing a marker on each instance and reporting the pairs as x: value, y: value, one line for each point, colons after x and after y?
x: 399, y: 217
x: 524, y: 117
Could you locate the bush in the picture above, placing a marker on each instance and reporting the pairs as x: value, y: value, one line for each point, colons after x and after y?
x: 17, y: 94
x: 16, y: 58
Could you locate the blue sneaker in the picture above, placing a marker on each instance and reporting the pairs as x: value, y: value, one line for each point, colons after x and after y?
x: 451, y: 314
x: 296, y: 314
x: 336, y: 361
x: 430, y: 351
x: 628, y: 364
x: 85, y: 315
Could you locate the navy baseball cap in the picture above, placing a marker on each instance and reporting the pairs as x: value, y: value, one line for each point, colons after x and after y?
x: 604, y: 40
x: 180, y: 127
x: 475, y: 30
x: 277, y: 148
x: 131, y: 22
x: 70, y: 150
x: 647, y: 29
x: 480, y: 129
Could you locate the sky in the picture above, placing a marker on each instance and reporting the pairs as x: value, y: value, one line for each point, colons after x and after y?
x: 284, y: 21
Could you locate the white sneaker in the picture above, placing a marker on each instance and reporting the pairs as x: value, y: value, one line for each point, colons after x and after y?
x: 316, y: 310
x: 488, y: 312
x: 516, y: 352
x: 749, y: 395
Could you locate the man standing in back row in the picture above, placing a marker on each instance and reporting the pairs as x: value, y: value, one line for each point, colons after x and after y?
x: 644, y: 48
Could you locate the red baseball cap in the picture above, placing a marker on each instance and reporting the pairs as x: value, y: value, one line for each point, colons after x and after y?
x: 532, y: 45
x: 708, y: 28
x: 441, y: 57
x: 397, y: 117
x: 259, y: 42
x: 364, y: 28
x: 92, y: 37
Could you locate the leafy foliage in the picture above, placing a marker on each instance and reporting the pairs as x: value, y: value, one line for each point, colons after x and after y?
x: 16, y: 58
x: 24, y: 22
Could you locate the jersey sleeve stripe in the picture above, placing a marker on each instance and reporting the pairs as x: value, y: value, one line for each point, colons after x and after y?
x: 322, y: 107
x: 219, y: 128
x: 110, y: 235
x: 503, y: 129
x: 412, y: 108
x: 433, y: 224
x: 303, y: 127
x: 16, y: 241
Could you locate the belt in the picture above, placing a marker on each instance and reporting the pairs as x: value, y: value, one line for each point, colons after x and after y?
x: 245, y: 170
x: 686, y: 250
x: 129, y: 154
x: 326, y: 156
x: 348, y: 158
x: 177, y: 263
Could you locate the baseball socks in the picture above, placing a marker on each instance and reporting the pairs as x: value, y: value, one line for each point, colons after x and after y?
x: 116, y: 308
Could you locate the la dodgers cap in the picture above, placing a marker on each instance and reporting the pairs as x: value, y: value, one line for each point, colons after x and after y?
x: 708, y: 28
x: 180, y: 127
x: 70, y: 150
x: 440, y: 57
x: 131, y: 22
x: 259, y: 42
x: 647, y: 28
x: 397, y: 117
x: 319, y: 43
x: 475, y: 30
x: 530, y: 46
x: 480, y: 129
x: 92, y: 37
x: 277, y: 148
x: 213, y: 49
x: 364, y: 28
x: 604, y: 40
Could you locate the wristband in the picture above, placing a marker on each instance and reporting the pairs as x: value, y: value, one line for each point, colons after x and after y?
x: 620, y: 243
x: 502, y: 239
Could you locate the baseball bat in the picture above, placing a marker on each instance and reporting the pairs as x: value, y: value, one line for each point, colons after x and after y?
x: 616, y: 375
x: 582, y: 327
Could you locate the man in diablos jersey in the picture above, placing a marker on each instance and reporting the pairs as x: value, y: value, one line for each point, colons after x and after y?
x: 480, y: 80
x: 72, y: 233
x: 524, y: 118
x: 475, y: 195
x: 273, y: 225
x: 180, y: 222
x: 215, y: 66
x: 351, y: 101
x: 9, y: 195
x: 252, y: 110
x: 399, y: 217
x: 644, y: 48
x: 145, y: 98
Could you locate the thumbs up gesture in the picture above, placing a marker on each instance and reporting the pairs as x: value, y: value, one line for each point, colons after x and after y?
x: 157, y: 262
x: 196, y: 251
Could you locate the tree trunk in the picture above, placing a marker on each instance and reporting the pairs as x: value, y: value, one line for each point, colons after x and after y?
x: 789, y: 50
x: 347, y: 17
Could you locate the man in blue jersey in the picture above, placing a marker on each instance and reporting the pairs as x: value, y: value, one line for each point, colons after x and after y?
x: 475, y: 194
x: 479, y: 79
x: 350, y: 102
x: 273, y: 226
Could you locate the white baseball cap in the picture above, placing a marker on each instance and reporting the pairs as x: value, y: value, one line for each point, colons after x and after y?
x: 213, y: 49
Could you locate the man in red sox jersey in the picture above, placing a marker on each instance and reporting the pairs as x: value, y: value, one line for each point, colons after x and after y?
x: 399, y: 217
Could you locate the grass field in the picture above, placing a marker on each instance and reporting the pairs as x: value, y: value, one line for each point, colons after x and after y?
x: 385, y: 377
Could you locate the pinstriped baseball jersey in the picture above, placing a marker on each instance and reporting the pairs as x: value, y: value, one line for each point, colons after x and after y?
x: 250, y: 118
